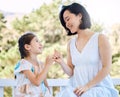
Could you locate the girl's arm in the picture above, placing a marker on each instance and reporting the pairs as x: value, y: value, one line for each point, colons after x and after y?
x: 46, y: 84
x: 37, y: 79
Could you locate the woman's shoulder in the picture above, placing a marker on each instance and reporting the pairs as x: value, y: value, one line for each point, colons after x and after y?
x: 102, y: 37
x: 103, y: 40
x: 71, y: 42
x: 72, y: 39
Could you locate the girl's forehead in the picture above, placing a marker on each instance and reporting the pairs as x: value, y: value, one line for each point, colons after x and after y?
x: 35, y: 37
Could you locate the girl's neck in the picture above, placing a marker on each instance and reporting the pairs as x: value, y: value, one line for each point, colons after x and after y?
x: 32, y: 59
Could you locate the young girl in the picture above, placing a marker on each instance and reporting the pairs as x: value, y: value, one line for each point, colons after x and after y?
x: 29, y: 71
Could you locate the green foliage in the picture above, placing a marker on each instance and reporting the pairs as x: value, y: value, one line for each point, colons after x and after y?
x: 8, y: 92
x: 118, y: 88
x: 7, y: 62
x: 2, y: 22
x: 9, y: 39
x: 116, y: 65
x: 116, y: 57
x: 22, y: 25
x: 97, y: 27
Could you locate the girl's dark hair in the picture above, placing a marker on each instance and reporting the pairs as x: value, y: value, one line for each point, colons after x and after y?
x: 25, y: 39
x: 76, y: 9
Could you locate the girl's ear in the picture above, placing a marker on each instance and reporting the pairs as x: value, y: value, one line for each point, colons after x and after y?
x: 27, y: 46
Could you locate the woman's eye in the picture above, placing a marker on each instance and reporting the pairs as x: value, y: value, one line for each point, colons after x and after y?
x: 67, y: 19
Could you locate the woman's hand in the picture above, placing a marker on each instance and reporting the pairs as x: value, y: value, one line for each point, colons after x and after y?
x: 80, y: 90
x: 57, y: 57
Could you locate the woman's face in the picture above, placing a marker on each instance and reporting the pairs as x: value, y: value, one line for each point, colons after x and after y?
x: 72, y: 21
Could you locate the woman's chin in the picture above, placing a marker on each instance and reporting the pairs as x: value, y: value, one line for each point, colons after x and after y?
x: 73, y: 32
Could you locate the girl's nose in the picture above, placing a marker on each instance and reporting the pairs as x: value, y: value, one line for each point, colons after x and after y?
x: 41, y: 45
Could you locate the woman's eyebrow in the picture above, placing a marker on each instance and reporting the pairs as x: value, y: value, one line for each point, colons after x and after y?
x: 66, y: 17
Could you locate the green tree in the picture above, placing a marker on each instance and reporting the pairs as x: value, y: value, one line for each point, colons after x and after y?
x: 97, y: 27
x: 2, y: 21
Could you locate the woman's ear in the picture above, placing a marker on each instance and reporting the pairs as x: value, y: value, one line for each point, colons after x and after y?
x: 80, y: 16
x: 27, y: 46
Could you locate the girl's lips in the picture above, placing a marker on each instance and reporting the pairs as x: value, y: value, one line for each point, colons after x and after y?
x: 40, y: 48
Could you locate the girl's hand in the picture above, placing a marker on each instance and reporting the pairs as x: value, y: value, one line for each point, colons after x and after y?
x: 49, y: 60
x: 80, y: 90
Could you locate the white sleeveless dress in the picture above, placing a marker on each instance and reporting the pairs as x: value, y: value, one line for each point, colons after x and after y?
x: 87, y: 64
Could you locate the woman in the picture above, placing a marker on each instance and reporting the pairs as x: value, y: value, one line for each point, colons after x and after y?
x: 89, y: 56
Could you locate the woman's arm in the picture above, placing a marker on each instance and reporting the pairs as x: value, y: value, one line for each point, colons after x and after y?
x: 68, y: 68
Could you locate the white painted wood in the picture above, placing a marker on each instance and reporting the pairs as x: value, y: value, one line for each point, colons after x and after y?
x: 116, y: 81
x: 61, y: 83
x: 1, y: 91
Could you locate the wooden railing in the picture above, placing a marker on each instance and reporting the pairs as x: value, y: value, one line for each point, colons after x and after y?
x: 61, y: 83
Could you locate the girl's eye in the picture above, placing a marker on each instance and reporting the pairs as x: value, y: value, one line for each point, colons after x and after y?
x: 37, y: 40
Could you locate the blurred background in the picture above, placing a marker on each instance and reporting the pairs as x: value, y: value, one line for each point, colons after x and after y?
x: 42, y: 17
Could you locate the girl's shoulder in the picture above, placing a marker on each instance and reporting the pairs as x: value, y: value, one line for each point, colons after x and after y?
x: 22, y: 65
x: 25, y: 63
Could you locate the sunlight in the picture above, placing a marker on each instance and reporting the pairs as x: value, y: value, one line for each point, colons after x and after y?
x: 19, y: 6
x: 104, y: 11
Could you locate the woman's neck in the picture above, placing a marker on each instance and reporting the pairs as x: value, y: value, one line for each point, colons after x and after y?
x: 84, y: 33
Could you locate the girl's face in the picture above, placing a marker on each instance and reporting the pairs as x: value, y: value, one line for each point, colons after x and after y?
x: 35, y: 46
x: 72, y: 21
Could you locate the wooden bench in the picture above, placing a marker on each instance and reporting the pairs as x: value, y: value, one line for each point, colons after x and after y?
x: 61, y: 83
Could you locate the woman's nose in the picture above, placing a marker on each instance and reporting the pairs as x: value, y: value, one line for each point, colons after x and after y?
x: 67, y: 24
